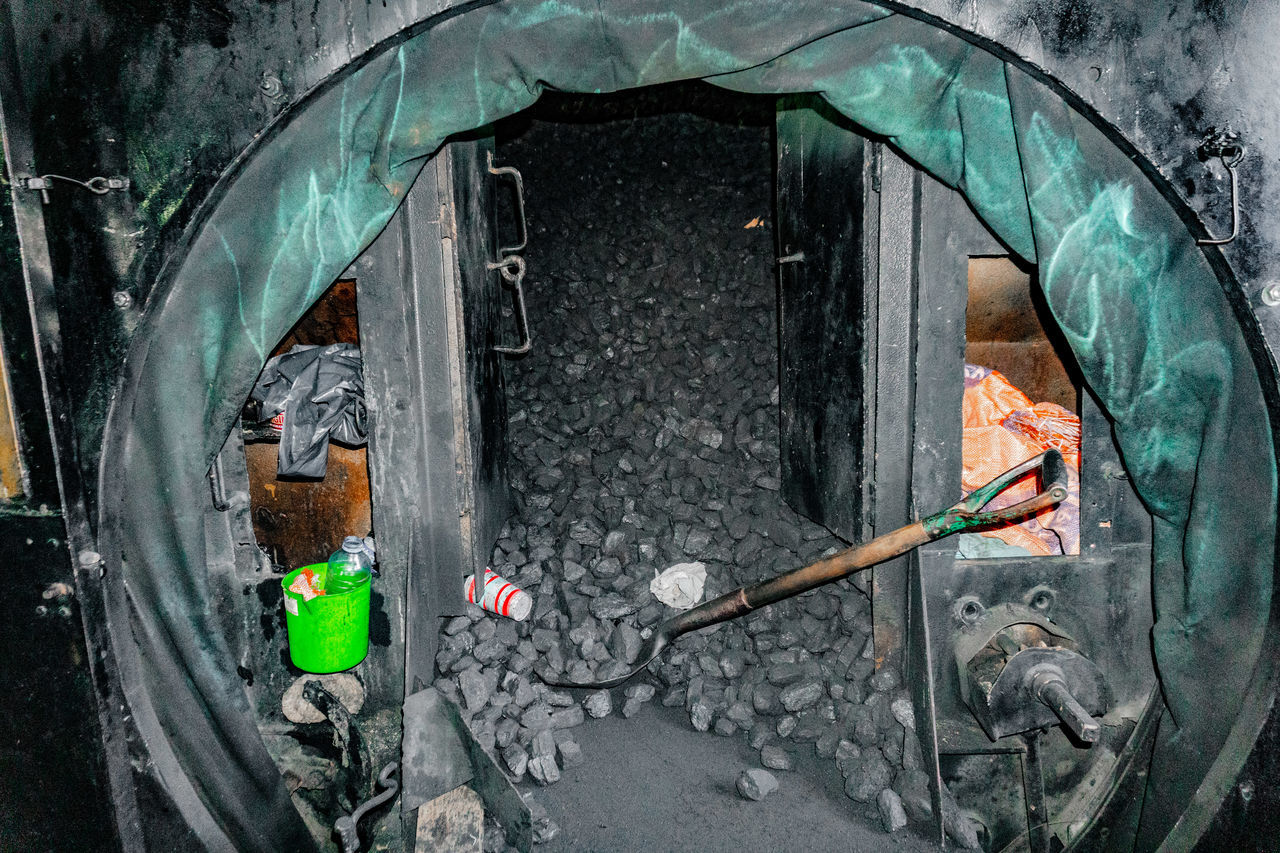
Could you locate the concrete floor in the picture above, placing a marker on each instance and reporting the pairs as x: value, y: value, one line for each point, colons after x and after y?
x: 652, y: 783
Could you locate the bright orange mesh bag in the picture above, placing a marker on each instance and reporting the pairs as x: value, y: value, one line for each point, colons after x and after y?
x: 1002, y: 428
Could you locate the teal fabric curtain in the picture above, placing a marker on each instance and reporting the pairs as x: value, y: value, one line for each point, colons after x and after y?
x: 1140, y: 306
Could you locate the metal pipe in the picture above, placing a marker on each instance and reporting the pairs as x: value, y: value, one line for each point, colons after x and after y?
x: 1050, y: 689
x: 345, y: 826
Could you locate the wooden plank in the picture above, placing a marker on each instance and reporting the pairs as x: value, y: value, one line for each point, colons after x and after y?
x: 303, y: 521
x: 821, y: 337
x: 452, y: 823
x: 11, y: 473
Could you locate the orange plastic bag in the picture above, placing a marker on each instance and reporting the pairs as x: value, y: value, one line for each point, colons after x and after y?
x: 1003, y: 427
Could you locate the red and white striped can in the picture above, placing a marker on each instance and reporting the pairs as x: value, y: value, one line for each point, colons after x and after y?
x: 500, y: 596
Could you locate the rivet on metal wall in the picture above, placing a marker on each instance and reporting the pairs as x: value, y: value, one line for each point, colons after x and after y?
x: 1271, y: 294
x: 967, y: 610
x: 1041, y: 598
x: 271, y: 86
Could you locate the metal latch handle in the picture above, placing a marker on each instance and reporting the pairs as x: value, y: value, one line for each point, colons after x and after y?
x: 514, y: 174
x: 512, y: 269
x: 98, y: 185
x: 511, y: 265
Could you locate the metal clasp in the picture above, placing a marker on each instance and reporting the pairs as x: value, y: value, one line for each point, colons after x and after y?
x: 97, y: 185
x: 512, y: 269
x: 511, y: 266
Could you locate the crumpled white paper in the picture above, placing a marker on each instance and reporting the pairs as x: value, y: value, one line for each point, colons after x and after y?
x: 680, y: 586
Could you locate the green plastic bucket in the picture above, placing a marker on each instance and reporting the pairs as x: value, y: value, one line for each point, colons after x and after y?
x: 329, y: 633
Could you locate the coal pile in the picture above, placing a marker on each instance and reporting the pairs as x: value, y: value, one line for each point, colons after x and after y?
x: 644, y: 432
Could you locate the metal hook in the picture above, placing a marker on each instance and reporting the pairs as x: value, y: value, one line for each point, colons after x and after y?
x: 1225, y: 145
x: 345, y: 827
x: 512, y: 270
x: 514, y: 174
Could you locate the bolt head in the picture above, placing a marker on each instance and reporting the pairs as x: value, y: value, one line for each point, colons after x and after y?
x: 1271, y: 294
x: 967, y: 610
x: 271, y: 85
x: 1041, y: 599
x: 122, y: 299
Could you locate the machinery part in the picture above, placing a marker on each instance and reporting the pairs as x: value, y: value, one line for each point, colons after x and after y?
x: 510, y: 264
x: 345, y: 826
x: 1049, y: 685
x: 354, y: 749
x: 1271, y: 295
x: 217, y: 485
x: 1029, y: 676
x: 271, y: 86
x: 963, y: 516
x: 1037, y: 804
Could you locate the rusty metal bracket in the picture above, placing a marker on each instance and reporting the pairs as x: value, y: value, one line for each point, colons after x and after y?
x: 97, y: 185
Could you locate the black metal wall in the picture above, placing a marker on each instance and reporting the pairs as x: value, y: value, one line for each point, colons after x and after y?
x: 169, y: 92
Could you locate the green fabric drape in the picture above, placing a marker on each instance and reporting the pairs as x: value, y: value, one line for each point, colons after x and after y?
x: 1141, y: 308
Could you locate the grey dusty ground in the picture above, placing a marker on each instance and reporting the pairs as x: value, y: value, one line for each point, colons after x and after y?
x: 644, y: 432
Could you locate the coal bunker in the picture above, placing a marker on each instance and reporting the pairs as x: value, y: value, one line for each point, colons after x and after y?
x: 644, y: 432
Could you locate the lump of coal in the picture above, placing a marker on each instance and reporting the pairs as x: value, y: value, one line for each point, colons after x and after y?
x: 892, y: 815
x: 756, y: 784
x: 700, y: 715
x: 775, y: 757
x: 598, y: 704
x: 868, y: 777
x: 637, y: 695
x: 544, y: 770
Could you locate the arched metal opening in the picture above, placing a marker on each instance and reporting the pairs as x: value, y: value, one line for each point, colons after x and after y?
x: 1185, y: 397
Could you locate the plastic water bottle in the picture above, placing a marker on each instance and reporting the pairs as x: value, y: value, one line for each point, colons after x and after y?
x: 349, y: 566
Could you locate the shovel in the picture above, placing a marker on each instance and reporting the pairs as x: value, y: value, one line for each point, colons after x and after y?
x: 967, y: 515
